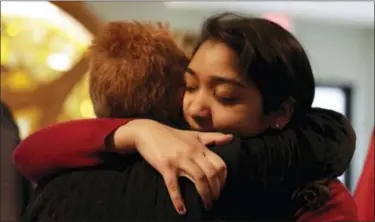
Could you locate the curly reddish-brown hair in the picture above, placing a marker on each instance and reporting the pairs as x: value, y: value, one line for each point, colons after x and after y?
x: 136, y: 71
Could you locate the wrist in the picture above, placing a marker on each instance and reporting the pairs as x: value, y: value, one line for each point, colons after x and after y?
x: 124, y: 137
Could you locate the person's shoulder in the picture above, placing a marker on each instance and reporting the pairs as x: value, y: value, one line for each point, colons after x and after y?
x: 7, y: 116
x: 341, y: 206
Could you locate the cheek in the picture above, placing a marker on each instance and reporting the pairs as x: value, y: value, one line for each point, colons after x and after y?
x: 225, y: 120
x: 243, y: 120
x: 186, y: 101
x: 229, y: 117
x: 180, y: 95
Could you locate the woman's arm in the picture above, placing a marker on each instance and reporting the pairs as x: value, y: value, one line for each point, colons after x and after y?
x: 319, y: 146
x: 64, y: 145
x: 185, y: 157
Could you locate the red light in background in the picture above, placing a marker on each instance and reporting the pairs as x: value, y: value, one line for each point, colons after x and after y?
x: 280, y: 19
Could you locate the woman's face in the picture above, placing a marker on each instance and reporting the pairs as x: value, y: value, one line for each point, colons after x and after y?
x: 218, y: 97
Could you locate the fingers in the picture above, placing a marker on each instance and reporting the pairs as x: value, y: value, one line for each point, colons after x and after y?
x: 212, y: 174
x: 183, y: 174
x: 220, y: 167
x: 214, y: 138
x: 200, y: 180
x: 170, y: 179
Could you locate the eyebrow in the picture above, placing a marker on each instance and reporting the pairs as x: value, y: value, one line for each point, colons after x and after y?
x: 220, y: 79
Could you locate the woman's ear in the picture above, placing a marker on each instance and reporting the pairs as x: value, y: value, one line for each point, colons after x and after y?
x: 281, y: 117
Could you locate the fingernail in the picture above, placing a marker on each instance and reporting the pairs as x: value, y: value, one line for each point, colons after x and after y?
x: 181, y: 210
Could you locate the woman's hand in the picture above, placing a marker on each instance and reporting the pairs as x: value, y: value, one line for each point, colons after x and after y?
x: 174, y: 153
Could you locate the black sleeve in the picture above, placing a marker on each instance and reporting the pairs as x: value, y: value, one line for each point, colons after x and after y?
x: 319, y: 145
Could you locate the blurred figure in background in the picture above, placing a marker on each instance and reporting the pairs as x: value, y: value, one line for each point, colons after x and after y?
x: 14, y: 188
x: 364, y: 194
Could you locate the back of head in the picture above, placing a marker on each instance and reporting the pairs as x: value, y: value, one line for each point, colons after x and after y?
x: 269, y: 56
x: 137, y: 71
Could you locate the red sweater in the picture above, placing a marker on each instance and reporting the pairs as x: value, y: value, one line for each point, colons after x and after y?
x: 364, y: 194
x: 87, y: 140
x: 81, y: 149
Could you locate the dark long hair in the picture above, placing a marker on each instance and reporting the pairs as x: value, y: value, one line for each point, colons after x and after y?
x: 269, y: 56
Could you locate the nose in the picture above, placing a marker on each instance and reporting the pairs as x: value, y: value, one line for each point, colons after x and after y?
x: 200, y: 113
x: 199, y: 108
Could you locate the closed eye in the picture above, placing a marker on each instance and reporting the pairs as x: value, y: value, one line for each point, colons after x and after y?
x: 190, y: 87
x: 227, y: 100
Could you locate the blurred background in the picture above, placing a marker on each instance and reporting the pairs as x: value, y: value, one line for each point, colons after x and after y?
x: 44, y: 65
